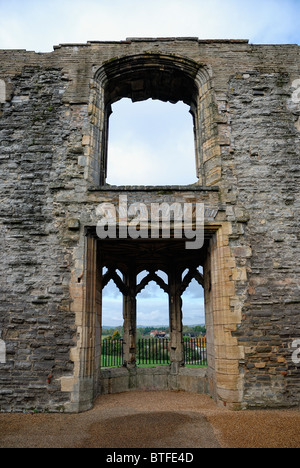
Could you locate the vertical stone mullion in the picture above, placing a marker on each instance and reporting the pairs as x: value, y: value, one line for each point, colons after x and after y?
x: 175, y: 310
x: 129, y: 313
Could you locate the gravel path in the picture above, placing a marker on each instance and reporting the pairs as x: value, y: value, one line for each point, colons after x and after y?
x: 152, y: 420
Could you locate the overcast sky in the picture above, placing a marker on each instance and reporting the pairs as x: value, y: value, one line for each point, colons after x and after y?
x: 151, y: 143
x: 153, y: 306
x: 153, y: 157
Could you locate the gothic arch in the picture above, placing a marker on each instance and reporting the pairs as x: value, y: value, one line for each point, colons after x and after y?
x: 168, y: 78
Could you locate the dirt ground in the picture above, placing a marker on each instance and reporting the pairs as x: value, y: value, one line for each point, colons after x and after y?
x: 153, y: 420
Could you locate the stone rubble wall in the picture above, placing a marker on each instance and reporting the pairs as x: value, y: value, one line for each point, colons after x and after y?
x: 47, y: 201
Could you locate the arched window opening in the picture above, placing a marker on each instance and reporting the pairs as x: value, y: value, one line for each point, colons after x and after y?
x: 112, y: 325
x: 194, y: 328
x: 112, y: 303
x: 153, y: 322
x: 151, y: 143
x: 168, y: 79
x: 193, y: 305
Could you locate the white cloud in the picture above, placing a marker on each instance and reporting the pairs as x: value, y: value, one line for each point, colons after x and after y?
x: 151, y: 143
x: 38, y: 25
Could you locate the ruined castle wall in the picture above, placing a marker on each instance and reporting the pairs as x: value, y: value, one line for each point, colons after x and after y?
x: 36, y: 323
x: 47, y: 201
x: 266, y: 155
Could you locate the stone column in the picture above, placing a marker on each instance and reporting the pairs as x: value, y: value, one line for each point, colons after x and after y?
x: 175, y: 308
x: 84, y: 384
x: 129, y: 314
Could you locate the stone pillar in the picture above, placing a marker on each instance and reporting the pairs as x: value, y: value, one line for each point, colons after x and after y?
x: 98, y: 318
x: 223, y: 308
x: 83, y: 385
x: 129, y: 314
x: 175, y: 308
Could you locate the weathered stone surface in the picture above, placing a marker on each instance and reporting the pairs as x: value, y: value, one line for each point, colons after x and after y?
x: 156, y: 378
x: 52, y: 112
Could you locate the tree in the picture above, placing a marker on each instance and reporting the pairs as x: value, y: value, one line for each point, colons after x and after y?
x: 116, y: 336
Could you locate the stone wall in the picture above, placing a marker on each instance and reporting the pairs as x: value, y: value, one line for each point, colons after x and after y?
x: 36, y: 323
x: 153, y: 379
x: 266, y: 155
x: 49, y: 193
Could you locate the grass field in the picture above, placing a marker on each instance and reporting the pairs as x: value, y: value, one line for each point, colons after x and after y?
x: 154, y: 352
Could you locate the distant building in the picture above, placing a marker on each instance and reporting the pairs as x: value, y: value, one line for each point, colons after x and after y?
x: 158, y: 334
